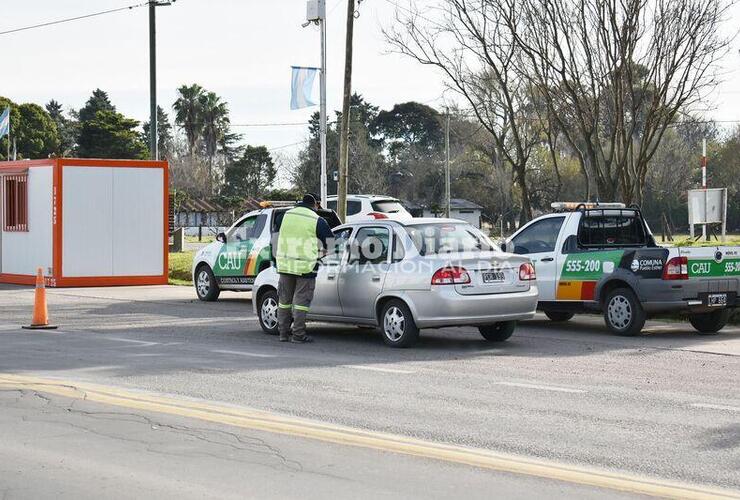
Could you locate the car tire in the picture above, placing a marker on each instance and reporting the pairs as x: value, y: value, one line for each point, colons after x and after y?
x: 710, y: 323
x: 498, y: 332
x: 267, y: 312
x: 397, y: 325
x: 559, y: 316
x: 623, y: 313
x: 206, y: 287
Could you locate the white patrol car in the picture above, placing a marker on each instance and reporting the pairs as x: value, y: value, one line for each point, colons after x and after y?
x: 603, y: 257
x: 241, y: 253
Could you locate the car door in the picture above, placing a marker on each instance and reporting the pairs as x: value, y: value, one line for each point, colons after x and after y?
x: 231, y: 263
x: 538, y: 240
x: 326, y: 295
x: 361, y: 278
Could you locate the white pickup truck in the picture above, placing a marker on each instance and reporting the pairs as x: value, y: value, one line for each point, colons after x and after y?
x: 603, y: 257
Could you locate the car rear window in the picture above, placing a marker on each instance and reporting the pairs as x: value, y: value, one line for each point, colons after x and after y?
x: 353, y: 207
x: 430, y: 239
x: 388, y: 206
x: 611, y: 229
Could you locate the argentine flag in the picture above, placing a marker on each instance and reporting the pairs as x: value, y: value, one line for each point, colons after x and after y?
x: 301, y: 87
x: 5, y: 123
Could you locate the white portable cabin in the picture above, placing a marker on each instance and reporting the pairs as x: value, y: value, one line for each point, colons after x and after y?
x: 84, y: 222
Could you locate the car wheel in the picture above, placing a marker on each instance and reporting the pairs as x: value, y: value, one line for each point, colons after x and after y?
x: 205, y: 284
x: 623, y: 313
x: 498, y: 332
x: 710, y: 323
x: 559, y: 316
x: 267, y: 310
x: 397, y: 324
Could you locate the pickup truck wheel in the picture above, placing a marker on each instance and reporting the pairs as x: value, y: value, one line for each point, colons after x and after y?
x: 397, y: 325
x: 559, y: 316
x: 498, y: 332
x: 267, y: 310
x: 710, y: 323
x: 205, y: 284
x: 623, y: 313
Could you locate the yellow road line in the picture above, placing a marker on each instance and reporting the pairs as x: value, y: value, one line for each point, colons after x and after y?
x: 270, y: 422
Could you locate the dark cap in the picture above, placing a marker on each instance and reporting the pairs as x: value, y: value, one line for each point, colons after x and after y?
x: 309, y: 199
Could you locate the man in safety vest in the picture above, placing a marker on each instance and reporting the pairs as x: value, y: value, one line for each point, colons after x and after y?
x: 301, y: 241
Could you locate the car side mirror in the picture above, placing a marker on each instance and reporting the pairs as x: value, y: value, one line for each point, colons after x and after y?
x: 502, y: 245
x: 221, y: 237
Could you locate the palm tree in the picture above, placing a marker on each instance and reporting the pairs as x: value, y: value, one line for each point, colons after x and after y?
x: 188, y: 113
x: 215, y: 125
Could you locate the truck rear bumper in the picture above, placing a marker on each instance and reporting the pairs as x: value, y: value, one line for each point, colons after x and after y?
x: 685, y: 295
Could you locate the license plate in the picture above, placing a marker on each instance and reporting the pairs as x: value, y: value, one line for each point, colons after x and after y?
x: 717, y: 300
x: 493, y: 276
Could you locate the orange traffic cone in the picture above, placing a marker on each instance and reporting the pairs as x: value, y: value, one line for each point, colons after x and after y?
x: 40, y: 319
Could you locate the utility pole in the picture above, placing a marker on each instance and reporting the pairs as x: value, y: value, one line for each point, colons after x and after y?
x: 153, y: 142
x: 447, y: 164
x: 704, y: 186
x: 153, y: 149
x: 344, y: 133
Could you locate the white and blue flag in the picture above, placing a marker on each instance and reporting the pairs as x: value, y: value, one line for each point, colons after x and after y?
x: 301, y: 87
x: 5, y: 123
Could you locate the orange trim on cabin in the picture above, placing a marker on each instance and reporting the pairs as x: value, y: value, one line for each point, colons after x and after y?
x: 17, y: 279
x: 87, y: 281
x: 24, y: 164
x: 56, y: 223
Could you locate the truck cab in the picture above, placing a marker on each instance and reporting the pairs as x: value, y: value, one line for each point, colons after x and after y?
x: 604, y: 258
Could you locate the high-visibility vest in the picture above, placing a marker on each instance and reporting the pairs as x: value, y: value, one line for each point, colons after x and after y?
x: 298, y: 247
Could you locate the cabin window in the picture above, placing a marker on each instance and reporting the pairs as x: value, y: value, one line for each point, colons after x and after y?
x: 15, y: 203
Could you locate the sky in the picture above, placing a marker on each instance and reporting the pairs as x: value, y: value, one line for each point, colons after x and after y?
x: 240, y: 49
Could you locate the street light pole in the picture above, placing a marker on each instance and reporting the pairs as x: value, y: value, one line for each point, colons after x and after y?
x: 153, y: 150
x: 322, y: 105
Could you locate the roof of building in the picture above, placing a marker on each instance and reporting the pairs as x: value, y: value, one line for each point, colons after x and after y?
x: 460, y: 203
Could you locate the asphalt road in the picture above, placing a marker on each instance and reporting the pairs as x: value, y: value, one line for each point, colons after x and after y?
x: 664, y: 405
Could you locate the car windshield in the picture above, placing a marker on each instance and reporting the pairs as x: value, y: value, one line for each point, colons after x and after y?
x: 430, y: 239
x: 388, y: 206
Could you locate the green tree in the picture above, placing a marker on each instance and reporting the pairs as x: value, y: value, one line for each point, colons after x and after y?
x: 36, y: 134
x: 251, y: 175
x: 98, y: 101
x: 66, y: 127
x: 368, y: 171
x: 165, y: 139
x: 109, y: 134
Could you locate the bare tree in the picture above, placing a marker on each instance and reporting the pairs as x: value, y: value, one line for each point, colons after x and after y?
x: 478, y: 55
x: 616, y: 73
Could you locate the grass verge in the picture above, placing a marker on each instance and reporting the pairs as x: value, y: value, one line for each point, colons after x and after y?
x: 180, y: 268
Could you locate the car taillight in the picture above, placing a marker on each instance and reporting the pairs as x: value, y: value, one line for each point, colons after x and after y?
x: 451, y: 276
x: 377, y: 215
x: 526, y: 272
x: 676, y: 268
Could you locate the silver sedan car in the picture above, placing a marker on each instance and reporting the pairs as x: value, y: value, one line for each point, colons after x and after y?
x: 402, y: 276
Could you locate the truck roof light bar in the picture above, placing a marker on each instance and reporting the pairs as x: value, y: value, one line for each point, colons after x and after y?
x: 575, y: 205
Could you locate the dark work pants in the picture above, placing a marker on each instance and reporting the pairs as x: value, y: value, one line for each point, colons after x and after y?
x: 294, y: 298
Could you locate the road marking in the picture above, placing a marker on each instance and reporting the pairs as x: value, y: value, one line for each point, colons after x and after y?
x: 542, y: 387
x: 244, y: 353
x: 716, y: 407
x: 140, y: 343
x: 379, y: 369
x: 282, y: 424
